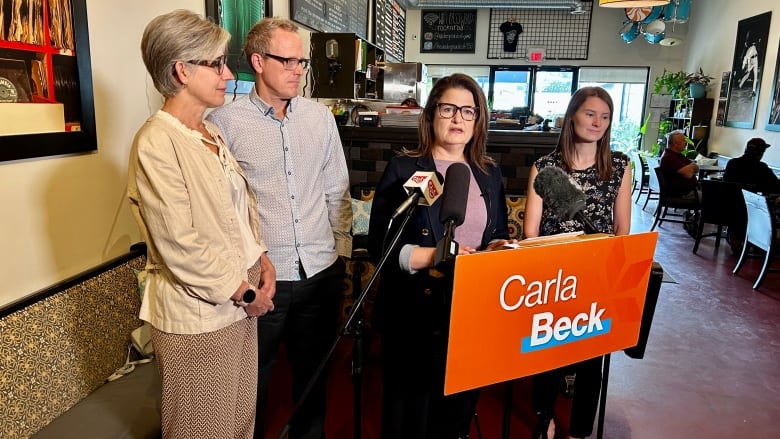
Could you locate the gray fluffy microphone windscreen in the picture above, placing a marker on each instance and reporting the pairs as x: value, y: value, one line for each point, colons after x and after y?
x: 455, y: 194
x: 560, y: 195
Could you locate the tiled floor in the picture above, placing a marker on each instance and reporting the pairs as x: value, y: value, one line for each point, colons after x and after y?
x: 711, y: 369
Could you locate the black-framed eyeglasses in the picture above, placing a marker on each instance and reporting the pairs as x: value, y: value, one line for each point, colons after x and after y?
x: 290, y: 63
x: 218, y: 64
x: 448, y: 111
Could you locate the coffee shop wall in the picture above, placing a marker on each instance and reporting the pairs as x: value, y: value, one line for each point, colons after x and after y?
x: 562, y: 35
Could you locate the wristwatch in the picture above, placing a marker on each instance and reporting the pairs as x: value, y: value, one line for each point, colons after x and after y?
x: 248, y: 297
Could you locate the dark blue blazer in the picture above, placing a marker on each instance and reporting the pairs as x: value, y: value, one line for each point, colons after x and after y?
x: 423, y: 299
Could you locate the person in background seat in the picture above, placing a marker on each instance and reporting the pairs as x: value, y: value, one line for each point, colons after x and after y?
x: 749, y: 169
x: 679, y: 171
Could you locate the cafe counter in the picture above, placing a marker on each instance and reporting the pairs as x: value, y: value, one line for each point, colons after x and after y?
x: 368, y: 149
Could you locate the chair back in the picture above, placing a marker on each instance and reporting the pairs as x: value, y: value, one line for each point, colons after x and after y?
x: 722, y: 202
x: 654, y: 183
x: 760, y: 226
x: 639, y: 169
x: 668, y: 197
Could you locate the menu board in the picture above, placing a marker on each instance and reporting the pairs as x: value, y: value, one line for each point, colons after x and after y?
x: 448, y: 31
x: 332, y: 15
x: 390, y: 28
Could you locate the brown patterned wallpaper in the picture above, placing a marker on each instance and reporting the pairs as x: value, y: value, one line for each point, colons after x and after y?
x: 56, y: 351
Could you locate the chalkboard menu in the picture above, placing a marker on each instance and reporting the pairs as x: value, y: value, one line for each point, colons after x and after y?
x: 390, y: 28
x: 448, y: 31
x: 332, y: 15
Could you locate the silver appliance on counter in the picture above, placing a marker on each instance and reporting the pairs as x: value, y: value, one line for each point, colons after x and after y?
x: 404, y: 80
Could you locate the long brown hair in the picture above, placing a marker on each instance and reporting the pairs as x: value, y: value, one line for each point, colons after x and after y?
x: 476, y: 148
x: 568, y: 137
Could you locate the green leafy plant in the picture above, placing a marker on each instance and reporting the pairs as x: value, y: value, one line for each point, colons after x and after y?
x: 698, y: 78
x: 664, y: 127
x: 672, y: 83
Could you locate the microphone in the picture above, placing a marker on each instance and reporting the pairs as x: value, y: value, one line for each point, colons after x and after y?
x: 423, y: 188
x: 453, y: 212
x: 564, y: 199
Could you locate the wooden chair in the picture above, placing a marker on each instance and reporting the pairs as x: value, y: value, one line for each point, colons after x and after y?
x: 722, y: 205
x: 641, y: 175
x: 667, y: 200
x: 761, y: 227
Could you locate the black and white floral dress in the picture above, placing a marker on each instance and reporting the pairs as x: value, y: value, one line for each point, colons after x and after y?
x: 599, y: 195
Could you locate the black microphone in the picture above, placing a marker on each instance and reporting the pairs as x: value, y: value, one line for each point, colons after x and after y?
x: 564, y: 199
x: 453, y: 211
x: 423, y: 188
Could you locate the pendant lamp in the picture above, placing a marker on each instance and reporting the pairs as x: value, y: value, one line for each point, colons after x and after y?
x: 632, y: 3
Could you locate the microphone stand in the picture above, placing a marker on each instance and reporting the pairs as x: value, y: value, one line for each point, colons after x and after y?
x: 353, y: 315
x: 356, y: 370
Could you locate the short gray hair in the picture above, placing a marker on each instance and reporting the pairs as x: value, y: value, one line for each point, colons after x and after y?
x: 674, y: 133
x: 180, y: 35
x: 258, y: 39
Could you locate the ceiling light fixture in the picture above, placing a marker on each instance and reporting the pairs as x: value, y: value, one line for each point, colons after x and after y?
x: 632, y: 3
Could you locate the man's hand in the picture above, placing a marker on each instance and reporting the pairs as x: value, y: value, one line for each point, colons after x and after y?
x: 267, y: 283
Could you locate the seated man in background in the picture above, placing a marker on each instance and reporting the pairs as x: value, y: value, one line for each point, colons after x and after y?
x: 679, y: 171
x: 749, y: 169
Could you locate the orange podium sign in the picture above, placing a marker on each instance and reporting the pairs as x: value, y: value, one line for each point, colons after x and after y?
x: 544, y: 305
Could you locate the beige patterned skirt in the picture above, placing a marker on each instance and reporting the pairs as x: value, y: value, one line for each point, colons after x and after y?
x: 209, y: 381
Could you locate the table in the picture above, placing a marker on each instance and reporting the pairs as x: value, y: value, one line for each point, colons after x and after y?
x: 705, y: 170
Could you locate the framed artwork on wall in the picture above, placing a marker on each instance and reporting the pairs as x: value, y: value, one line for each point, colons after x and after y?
x: 746, y: 70
x: 725, y: 80
x: 237, y: 17
x: 773, y: 121
x: 46, y: 103
x: 723, y: 98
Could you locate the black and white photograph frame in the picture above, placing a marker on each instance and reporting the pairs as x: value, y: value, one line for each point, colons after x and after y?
x: 725, y: 81
x: 773, y: 121
x: 746, y: 71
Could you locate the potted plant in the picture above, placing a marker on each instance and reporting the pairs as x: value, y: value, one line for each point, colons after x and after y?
x: 672, y: 83
x: 697, y: 83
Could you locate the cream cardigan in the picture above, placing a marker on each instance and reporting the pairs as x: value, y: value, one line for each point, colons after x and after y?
x: 181, y: 200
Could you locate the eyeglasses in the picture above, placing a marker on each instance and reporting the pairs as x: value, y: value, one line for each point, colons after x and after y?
x: 448, y: 111
x: 218, y: 64
x: 290, y: 63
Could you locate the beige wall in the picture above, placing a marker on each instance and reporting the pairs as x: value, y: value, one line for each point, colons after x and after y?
x: 63, y: 215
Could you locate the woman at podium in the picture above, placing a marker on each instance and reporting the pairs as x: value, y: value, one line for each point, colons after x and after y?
x: 412, y: 308
x: 604, y: 177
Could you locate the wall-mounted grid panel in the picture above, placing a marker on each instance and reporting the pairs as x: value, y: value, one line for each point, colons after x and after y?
x: 562, y: 35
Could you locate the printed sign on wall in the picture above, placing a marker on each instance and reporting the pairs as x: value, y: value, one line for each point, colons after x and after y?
x: 452, y: 31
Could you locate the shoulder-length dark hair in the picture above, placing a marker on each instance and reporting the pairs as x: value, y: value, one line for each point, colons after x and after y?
x: 568, y: 138
x: 476, y: 148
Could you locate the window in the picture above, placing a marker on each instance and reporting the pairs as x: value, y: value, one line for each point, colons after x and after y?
x: 481, y: 74
x: 628, y: 87
x: 553, y: 88
x: 514, y: 91
x: 510, y: 88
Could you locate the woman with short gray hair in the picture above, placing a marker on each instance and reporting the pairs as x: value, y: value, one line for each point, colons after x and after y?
x: 209, y: 275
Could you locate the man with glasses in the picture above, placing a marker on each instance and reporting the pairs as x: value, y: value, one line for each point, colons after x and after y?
x: 290, y: 150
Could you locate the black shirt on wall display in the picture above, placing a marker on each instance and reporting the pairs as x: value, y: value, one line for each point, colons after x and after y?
x: 511, y: 31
